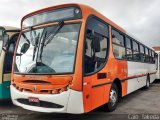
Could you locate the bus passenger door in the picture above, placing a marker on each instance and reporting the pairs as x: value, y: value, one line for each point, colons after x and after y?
x: 94, y: 59
x: 8, y: 59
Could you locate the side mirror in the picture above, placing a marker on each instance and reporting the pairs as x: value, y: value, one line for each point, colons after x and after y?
x: 24, y: 48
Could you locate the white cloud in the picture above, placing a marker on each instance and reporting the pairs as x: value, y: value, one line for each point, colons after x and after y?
x: 138, y: 17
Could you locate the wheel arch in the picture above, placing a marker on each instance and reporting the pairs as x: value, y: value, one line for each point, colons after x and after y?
x: 148, y: 77
x: 119, y: 86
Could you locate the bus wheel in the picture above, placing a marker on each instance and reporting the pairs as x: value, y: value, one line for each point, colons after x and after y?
x: 113, y: 99
x: 147, y: 82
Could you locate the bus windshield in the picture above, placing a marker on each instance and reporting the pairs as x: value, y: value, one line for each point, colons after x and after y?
x: 47, y: 50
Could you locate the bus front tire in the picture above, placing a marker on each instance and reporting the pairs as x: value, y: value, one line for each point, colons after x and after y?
x: 113, y: 99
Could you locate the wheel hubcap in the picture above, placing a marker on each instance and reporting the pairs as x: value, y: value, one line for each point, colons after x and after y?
x: 113, y: 97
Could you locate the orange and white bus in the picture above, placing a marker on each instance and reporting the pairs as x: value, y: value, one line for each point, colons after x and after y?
x: 71, y: 59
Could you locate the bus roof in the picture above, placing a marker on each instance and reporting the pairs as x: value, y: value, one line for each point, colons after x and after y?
x: 86, y: 11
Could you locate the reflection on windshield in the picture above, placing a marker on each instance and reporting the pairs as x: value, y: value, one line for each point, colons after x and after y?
x: 24, y: 60
x: 53, y: 57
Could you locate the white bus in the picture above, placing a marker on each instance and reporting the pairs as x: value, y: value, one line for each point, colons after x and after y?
x: 158, y: 65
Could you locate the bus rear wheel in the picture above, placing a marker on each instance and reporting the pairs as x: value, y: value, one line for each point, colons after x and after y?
x: 113, y: 99
x: 147, y: 82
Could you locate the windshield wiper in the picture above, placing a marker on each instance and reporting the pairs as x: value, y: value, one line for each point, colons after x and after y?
x: 42, y: 45
x: 35, y: 46
x: 34, y: 41
x: 31, y: 36
x: 47, y: 39
x: 26, y: 38
x: 51, y: 35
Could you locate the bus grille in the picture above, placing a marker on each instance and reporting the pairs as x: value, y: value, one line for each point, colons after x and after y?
x: 36, y: 81
x: 40, y: 104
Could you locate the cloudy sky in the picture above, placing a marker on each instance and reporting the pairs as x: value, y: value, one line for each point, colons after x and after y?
x: 141, y: 18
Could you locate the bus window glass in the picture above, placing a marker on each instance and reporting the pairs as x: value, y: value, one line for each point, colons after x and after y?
x: 150, y: 56
x: 136, y: 54
x: 94, y: 58
x: 117, y: 38
x: 56, y: 52
x: 142, y: 55
x: 62, y: 58
x: 156, y: 61
x: 141, y: 49
x: 118, y: 45
x: 119, y: 51
x: 146, y: 51
x: 135, y: 46
x: 147, y: 55
x: 129, y: 54
x: 52, y: 16
x: 128, y: 42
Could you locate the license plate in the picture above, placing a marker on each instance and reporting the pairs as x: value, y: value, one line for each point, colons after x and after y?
x: 33, y: 100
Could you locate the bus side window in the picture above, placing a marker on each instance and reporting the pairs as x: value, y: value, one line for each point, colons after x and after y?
x: 89, y: 63
x: 118, y: 45
x: 146, y: 55
x: 96, y: 45
x: 152, y: 57
x: 156, y: 60
x: 129, y: 53
x: 136, y: 54
x: 142, y: 53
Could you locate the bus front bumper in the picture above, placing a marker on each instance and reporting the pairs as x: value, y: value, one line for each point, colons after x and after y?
x: 66, y: 102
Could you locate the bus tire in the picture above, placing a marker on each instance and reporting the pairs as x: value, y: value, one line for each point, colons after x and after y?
x: 113, y: 99
x: 147, y: 82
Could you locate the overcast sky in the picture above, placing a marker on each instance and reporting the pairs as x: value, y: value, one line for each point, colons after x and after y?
x: 141, y: 18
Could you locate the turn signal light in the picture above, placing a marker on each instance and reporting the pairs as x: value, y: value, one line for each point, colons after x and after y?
x: 55, y: 91
x: 64, y: 89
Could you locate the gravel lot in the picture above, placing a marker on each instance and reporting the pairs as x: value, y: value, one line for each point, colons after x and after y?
x: 140, y: 104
